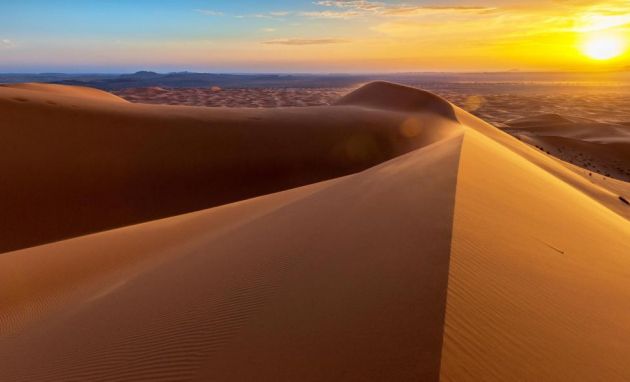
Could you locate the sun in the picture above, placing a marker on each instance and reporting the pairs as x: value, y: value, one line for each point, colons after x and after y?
x: 603, y: 46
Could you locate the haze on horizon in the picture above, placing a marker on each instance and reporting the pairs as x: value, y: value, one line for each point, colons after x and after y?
x: 313, y: 36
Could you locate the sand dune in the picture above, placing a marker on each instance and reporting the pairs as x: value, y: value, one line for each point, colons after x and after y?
x: 80, y: 165
x: 424, y: 244
x: 582, y: 139
x: 538, y: 292
x: 36, y: 92
x: 602, y: 148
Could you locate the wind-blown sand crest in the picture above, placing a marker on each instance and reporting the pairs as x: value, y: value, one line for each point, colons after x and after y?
x: 423, y: 244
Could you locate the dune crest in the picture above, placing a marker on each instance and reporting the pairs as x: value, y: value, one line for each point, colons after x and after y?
x: 37, y: 90
x: 385, y: 95
x: 422, y: 244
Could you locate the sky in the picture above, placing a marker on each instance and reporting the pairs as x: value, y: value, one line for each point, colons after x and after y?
x: 299, y: 36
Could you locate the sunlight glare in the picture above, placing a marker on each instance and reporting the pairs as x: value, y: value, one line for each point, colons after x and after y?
x: 603, y: 47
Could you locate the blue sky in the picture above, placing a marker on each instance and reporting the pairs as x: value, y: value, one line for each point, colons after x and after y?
x: 26, y: 19
x: 298, y: 36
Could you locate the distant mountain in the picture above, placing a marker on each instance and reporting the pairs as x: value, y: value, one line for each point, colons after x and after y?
x: 142, y: 74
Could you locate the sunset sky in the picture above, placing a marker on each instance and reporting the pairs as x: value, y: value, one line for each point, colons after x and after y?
x: 312, y: 36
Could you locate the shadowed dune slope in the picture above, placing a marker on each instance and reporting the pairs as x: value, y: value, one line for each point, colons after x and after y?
x: 462, y: 254
x: 74, y: 165
x: 344, y: 279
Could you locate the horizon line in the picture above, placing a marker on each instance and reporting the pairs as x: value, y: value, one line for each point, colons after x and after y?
x: 358, y: 73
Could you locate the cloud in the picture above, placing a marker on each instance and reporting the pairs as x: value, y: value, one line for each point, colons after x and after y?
x: 330, y: 14
x: 353, y: 8
x: 300, y: 41
x: 267, y: 15
x: 363, y: 5
x: 268, y: 30
x: 208, y: 12
x: 6, y: 43
x: 413, y: 11
x: 596, y: 22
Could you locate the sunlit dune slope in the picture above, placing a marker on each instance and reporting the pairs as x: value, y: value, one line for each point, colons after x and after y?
x: 50, y: 93
x: 462, y: 254
x: 539, y: 272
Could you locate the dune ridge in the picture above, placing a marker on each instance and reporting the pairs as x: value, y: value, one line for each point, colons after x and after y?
x: 385, y: 95
x: 453, y: 251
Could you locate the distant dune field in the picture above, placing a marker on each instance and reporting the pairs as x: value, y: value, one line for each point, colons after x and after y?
x: 390, y: 236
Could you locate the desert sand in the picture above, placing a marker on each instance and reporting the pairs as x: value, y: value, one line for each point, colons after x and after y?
x: 233, y: 97
x: 602, y: 148
x: 588, y: 126
x: 390, y: 236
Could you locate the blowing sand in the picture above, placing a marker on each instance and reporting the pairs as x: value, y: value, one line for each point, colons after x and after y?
x: 391, y: 236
